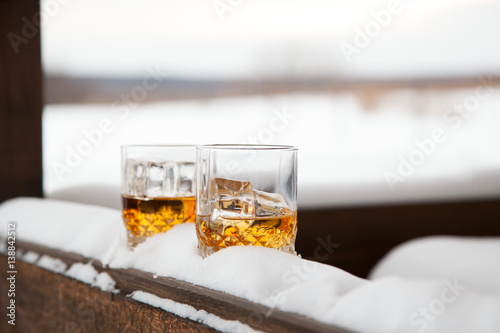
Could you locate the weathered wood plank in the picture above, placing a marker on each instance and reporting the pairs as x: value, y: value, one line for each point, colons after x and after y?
x: 49, y: 302
x: 223, y: 305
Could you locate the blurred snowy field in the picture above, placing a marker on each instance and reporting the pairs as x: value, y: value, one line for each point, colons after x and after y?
x: 345, y: 152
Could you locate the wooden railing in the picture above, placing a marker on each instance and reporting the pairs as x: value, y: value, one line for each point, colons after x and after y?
x: 52, y: 302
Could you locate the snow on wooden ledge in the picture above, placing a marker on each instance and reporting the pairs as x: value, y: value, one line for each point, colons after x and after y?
x: 51, y: 300
x: 237, y: 289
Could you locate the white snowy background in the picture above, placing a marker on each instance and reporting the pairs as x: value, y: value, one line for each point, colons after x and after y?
x: 344, y: 149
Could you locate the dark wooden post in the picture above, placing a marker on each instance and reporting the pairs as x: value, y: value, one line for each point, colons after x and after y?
x: 20, y: 99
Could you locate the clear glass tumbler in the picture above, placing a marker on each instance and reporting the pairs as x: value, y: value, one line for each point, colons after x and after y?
x: 158, y: 188
x: 246, y: 195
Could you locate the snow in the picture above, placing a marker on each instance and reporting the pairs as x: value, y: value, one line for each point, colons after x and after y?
x: 187, y: 311
x: 61, y: 224
x: 88, y: 274
x: 439, y: 302
x: 52, y: 264
x: 31, y: 257
x: 394, y: 304
x: 440, y: 257
x: 82, y: 272
x: 104, y: 282
x: 179, y: 259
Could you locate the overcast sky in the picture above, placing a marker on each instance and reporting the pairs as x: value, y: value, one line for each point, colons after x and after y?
x: 279, y: 38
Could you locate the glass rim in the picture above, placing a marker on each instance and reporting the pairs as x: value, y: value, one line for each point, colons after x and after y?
x: 247, y: 147
x: 159, y: 146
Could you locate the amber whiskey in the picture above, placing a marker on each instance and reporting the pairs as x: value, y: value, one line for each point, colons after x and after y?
x: 277, y: 232
x: 144, y: 217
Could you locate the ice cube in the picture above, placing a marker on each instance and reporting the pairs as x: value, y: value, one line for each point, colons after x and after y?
x: 270, y: 204
x: 186, y: 178
x: 170, y: 179
x: 156, y: 178
x: 137, y: 173
x: 232, y: 198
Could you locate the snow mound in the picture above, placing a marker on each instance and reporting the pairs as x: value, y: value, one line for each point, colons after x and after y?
x: 473, y: 260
